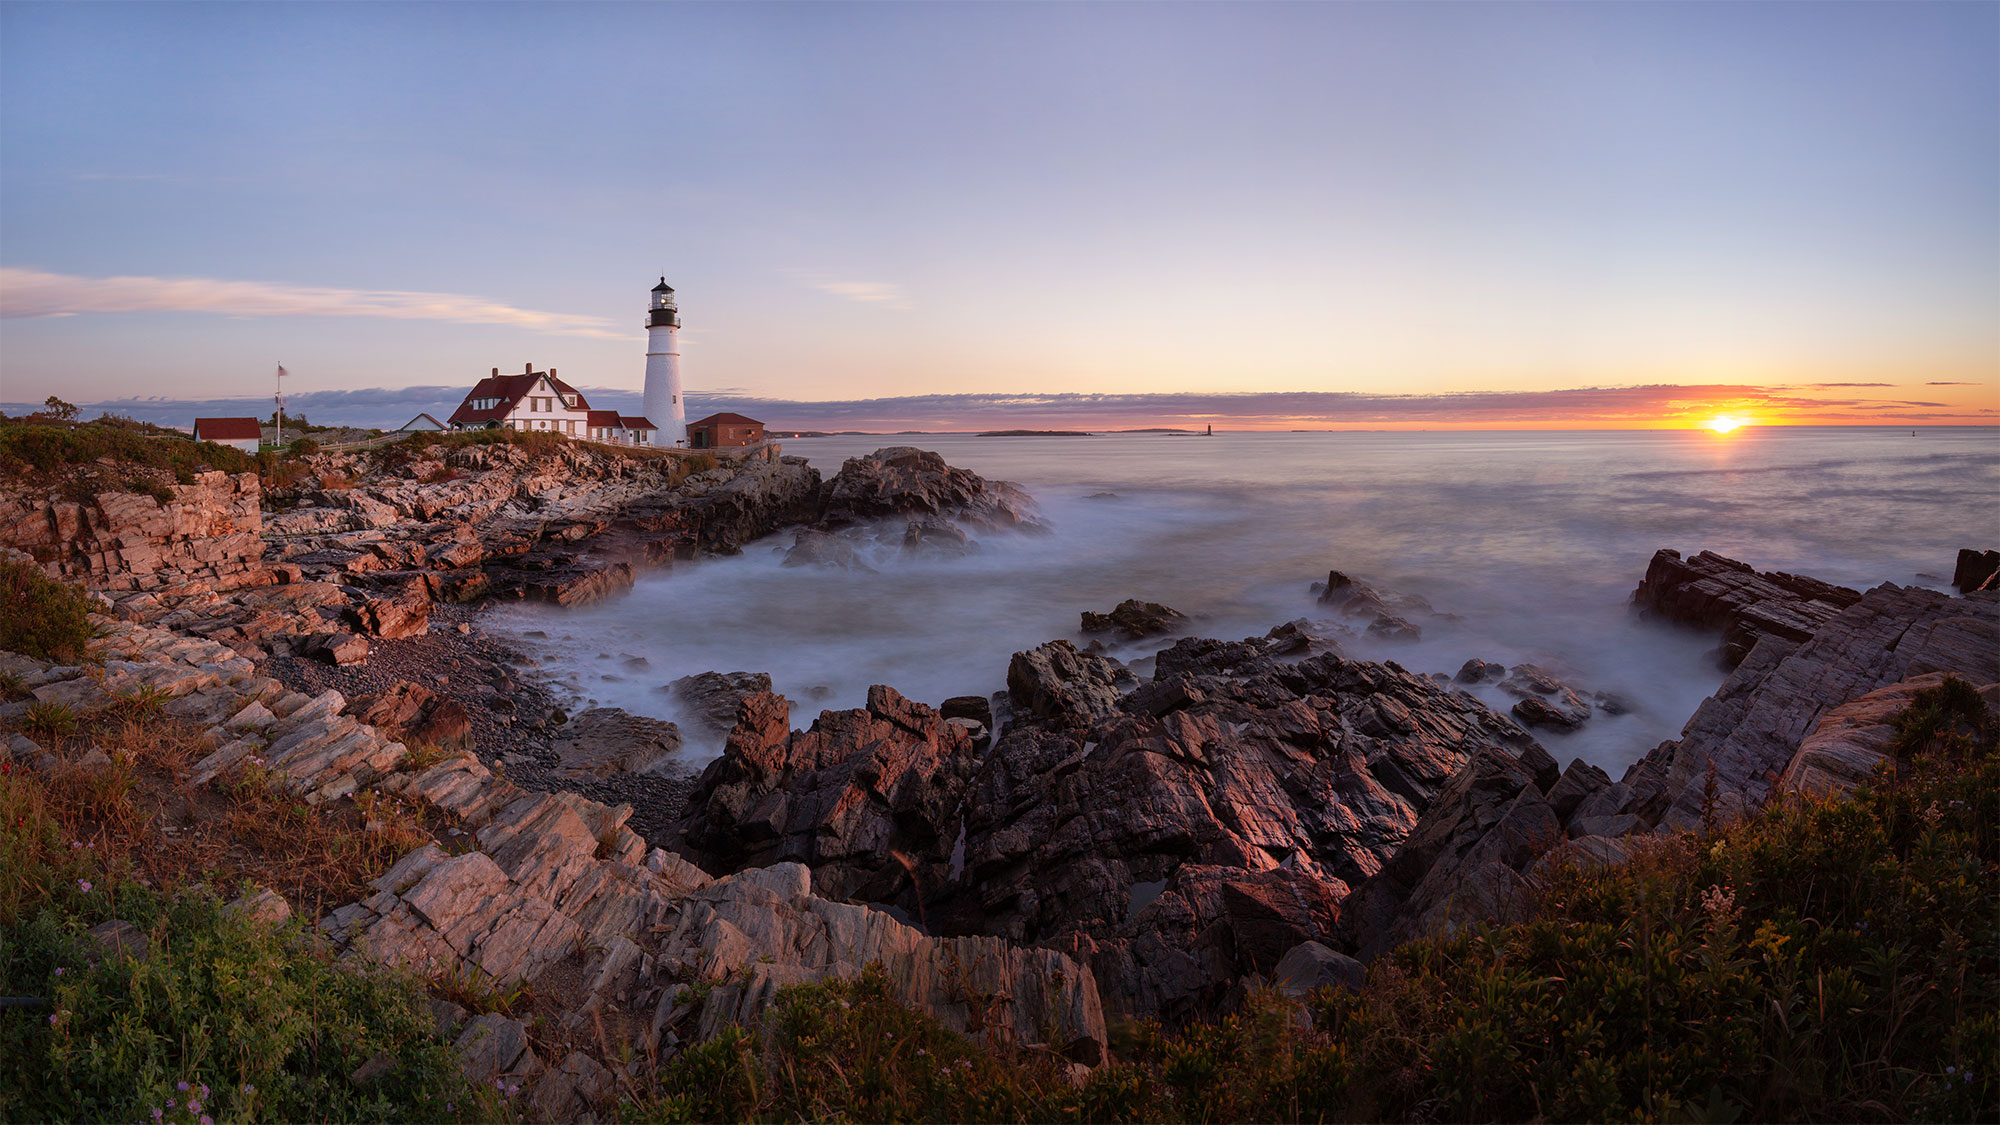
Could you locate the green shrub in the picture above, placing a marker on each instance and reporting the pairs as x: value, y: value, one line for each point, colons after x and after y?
x: 51, y: 445
x: 1820, y: 961
x: 41, y: 617
x: 247, y: 1022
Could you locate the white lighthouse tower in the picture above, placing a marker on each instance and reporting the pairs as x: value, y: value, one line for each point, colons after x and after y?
x: 663, y: 404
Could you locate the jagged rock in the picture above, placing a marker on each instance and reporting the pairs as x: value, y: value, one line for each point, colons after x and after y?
x: 1709, y: 591
x: 1464, y: 861
x: 869, y: 798
x: 1976, y: 570
x: 1478, y: 671
x: 904, y: 481
x: 209, y: 532
x: 1244, y: 811
x: 1579, y: 781
x: 1056, y: 682
x: 603, y: 741
x: 714, y: 697
x: 1756, y: 721
x: 1134, y: 620
x: 1311, y: 966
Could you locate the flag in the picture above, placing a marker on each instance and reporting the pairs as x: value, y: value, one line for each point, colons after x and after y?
x: 282, y: 372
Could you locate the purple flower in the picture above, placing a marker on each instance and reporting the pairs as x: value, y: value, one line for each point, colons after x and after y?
x: 207, y: 1120
x: 59, y: 970
x: 181, y: 1086
x: 158, y: 1114
x: 203, y: 1087
x: 84, y: 883
x: 52, y: 1018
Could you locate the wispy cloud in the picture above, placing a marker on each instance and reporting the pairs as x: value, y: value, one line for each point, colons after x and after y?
x: 36, y: 293
x: 1850, y: 384
x: 879, y: 293
x: 1951, y: 384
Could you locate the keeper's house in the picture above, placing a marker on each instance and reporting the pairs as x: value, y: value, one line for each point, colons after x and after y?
x: 538, y: 401
x: 237, y: 433
x: 718, y: 431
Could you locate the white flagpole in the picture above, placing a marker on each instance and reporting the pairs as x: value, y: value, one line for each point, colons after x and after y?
x: 280, y: 397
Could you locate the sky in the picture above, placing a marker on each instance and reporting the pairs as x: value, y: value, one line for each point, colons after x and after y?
x: 885, y: 216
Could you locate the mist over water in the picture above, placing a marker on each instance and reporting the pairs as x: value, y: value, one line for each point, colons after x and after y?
x: 1534, y: 541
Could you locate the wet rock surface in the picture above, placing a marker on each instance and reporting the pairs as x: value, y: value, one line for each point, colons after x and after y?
x: 1712, y: 592
x: 1134, y: 620
x: 906, y: 481
x: 714, y: 697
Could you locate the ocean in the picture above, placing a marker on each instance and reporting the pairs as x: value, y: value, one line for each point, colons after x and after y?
x: 1530, y: 542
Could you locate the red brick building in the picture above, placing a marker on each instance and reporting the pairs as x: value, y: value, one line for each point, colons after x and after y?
x: 719, y: 431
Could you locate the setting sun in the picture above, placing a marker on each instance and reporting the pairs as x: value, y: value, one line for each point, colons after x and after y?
x: 1723, y: 423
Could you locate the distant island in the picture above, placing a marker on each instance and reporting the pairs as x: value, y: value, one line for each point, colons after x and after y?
x: 1035, y: 433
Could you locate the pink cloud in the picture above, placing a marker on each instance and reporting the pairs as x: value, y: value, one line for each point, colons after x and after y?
x: 36, y: 293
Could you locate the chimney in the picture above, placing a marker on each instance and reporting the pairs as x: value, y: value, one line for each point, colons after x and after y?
x: 531, y: 367
x: 552, y: 372
x: 496, y: 373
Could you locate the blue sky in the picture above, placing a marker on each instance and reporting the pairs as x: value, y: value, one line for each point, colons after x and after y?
x: 863, y: 202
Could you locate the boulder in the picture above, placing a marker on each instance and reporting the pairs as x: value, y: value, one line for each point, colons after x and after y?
x: 1976, y: 570
x: 414, y: 713
x: 1310, y: 966
x: 714, y: 697
x: 335, y: 648
x: 394, y: 617
x: 1134, y: 620
x: 1852, y: 740
x: 605, y: 741
x: 1478, y: 671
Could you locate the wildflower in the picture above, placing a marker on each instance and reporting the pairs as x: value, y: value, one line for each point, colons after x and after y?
x: 203, y: 1087
x: 207, y: 1120
x: 52, y: 1018
x: 59, y: 970
x: 249, y: 1089
x: 159, y: 1113
x: 85, y: 884
x: 1951, y: 1070
x: 181, y: 1086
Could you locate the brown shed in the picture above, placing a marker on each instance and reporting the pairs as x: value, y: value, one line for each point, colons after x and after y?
x: 720, y: 430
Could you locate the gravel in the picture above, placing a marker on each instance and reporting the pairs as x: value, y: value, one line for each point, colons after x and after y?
x: 514, y: 713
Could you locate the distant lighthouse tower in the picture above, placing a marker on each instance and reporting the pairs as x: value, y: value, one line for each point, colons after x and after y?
x: 663, y: 404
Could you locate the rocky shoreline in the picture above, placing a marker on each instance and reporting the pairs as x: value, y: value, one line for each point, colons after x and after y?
x: 1097, y: 842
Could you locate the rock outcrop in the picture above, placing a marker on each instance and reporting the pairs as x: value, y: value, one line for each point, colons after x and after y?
x: 868, y: 798
x: 1756, y: 721
x: 639, y: 950
x: 906, y: 481
x: 208, y: 533
x: 1976, y: 570
x: 1712, y: 592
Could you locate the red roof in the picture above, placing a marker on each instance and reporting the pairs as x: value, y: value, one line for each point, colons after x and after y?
x: 727, y: 419
x: 510, y: 390
x: 227, y: 429
x: 632, y: 423
x: 607, y: 418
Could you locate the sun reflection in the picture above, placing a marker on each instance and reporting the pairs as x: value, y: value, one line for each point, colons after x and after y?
x: 1723, y: 423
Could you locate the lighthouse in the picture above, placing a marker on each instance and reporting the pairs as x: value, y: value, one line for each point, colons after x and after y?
x: 664, y: 407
